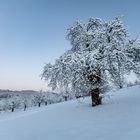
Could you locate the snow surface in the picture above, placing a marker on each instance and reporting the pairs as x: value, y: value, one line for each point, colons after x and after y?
x: 117, y: 119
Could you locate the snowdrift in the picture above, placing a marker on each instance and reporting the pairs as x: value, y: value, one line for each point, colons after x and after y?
x: 117, y: 119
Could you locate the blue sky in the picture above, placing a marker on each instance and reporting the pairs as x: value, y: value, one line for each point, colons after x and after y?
x: 32, y: 33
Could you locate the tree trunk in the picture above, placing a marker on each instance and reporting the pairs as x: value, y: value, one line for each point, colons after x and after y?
x: 65, y: 98
x: 25, y: 106
x: 39, y: 104
x: 120, y: 86
x: 12, y: 109
x: 46, y: 103
x: 95, y: 79
x: 96, y: 99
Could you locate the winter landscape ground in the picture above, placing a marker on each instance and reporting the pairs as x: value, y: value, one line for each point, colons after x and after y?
x: 117, y: 119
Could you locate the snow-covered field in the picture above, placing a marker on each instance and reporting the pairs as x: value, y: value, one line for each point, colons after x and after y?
x: 117, y: 119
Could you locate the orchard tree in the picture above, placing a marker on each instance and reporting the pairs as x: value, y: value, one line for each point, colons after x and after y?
x: 39, y: 98
x: 101, y: 53
x: 13, y: 103
x: 25, y: 101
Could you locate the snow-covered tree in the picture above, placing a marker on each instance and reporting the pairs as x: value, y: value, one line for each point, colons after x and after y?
x: 39, y: 98
x: 101, y: 53
x: 13, y: 103
x: 25, y: 101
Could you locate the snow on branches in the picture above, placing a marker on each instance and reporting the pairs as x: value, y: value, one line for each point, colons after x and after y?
x: 101, y: 54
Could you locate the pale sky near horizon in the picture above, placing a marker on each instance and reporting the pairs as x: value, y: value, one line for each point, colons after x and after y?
x: 32, y: 33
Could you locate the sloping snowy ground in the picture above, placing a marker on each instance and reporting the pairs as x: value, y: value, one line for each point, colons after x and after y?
x: 117, y: 119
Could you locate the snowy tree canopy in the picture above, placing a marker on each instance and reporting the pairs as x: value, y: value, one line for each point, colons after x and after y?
x: 101, y: 52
